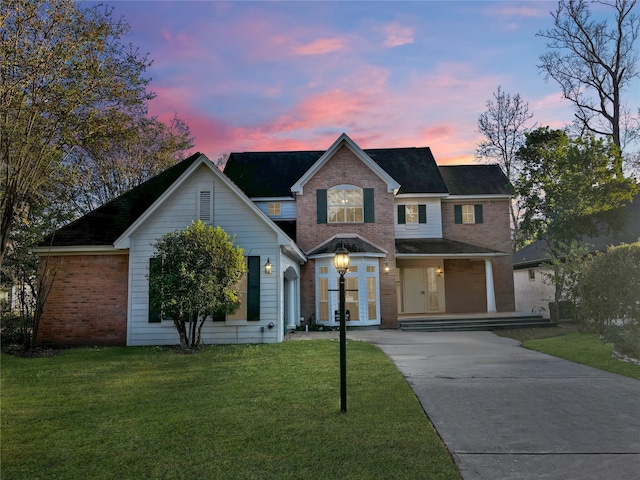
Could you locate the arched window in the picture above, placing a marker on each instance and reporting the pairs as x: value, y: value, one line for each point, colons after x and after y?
x: 345, y: 204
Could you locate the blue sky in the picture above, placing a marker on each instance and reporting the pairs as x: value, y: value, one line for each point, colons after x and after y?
x: 260, y: 76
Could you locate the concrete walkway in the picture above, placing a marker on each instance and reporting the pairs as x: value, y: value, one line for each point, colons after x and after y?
x: 509, y: 413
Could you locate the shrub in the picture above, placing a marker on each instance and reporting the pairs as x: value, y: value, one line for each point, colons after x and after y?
x: 610, y: 288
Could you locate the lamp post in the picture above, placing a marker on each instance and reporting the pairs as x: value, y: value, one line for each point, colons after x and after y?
x: 341, y: 262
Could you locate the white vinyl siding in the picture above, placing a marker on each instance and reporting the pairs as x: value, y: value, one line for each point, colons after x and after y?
x: 431, y: 229
x: 236, y: 218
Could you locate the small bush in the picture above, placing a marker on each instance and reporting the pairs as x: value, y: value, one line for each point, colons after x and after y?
x: 625, y: 340
x: 11, y: 332
x: 610, y: 289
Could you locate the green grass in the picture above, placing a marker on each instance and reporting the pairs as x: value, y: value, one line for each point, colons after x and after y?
x: 586, y: 349
x: 230, y: 412
x: 564, y: 341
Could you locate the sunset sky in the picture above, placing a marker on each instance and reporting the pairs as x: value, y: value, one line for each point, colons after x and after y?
x: 283, y: 75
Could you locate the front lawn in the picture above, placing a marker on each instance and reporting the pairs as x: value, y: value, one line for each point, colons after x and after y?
x: 231, y: 412
x: 584, y: 348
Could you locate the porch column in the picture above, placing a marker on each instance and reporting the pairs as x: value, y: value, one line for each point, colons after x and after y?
x: 491, y: 294
x: 291, y: 304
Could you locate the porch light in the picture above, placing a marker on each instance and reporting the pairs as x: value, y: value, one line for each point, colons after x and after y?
x: 439, y: 271
x: 387, y: 268
x: 341, y: 260
x: 267, y: 266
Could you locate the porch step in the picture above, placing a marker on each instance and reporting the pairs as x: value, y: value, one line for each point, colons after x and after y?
x: 461, y: 324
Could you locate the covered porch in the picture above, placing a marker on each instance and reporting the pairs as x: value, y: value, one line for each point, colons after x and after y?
x: 444, y: 277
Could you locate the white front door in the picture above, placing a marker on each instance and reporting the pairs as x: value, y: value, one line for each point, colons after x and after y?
x: 414, y: 290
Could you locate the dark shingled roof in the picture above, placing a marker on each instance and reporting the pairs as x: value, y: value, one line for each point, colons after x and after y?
x: 104, y: 225
x: 272, y: 174
x: 352, y: 244
x: 476, y: 180
x: 439, y: 247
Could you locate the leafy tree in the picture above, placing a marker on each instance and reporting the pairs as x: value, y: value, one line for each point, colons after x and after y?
x: 593, y: 62
x: 126, y: 150
x: 570, y: 189
x: 504, y: 125
x: 62, y: 65
x: 19, y: 271
x: 193, y: 278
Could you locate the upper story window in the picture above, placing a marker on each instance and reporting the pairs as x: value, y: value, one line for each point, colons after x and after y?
x: 274, y: 208
x: 467, y: 214
x: 412, y: 214
x: 345, y: 204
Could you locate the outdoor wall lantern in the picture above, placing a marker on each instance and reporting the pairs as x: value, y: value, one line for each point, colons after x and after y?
x: 387, y: 268
x: 267, y: 266
x: 341, y: 262
x: 439, y: 271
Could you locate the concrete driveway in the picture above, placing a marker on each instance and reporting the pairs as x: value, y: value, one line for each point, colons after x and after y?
x: 509, y: 413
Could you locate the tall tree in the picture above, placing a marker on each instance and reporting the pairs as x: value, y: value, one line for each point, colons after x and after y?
x: 570, y: 189
x: 504, y: 125
x: 593, y: 62
x: 61, y: 65
x: 192, y: 277
x: 126, y: 151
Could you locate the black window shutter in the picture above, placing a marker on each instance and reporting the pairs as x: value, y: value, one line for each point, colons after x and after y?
x: 402, y: 214
x: 369, y: 206
x: 321, y: 205
x: 422, y: 214
x: 457, y: 213
x: 477, y: 212
x: 154, y: 317
x: 253, y: 288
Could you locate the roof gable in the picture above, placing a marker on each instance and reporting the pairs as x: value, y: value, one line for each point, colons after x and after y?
x: 113, y: 223
x: 344, y: 140
x: 272, y: 174
x: 105, y: 224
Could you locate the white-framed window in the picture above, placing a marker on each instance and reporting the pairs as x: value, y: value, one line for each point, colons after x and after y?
x: 411, y: 213
x: 274, y: 208
x: 362, y: 296
x: 345, y: 204
x: 468, y: 214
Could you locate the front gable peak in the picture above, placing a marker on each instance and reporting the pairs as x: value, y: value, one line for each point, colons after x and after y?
x: 343, y: 140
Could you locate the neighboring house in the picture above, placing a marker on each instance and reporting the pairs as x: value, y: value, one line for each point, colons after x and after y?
x: 423, y: 240
x: 100, y: 291
x: 533, y: 290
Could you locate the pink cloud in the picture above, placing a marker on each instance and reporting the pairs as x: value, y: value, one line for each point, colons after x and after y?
x: 320, y: 46
x: 397, y: 35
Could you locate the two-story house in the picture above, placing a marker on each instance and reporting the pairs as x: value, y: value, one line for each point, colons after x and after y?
x: 423, y: 239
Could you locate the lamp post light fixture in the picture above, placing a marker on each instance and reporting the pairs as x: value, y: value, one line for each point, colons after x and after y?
x: 341, y: 262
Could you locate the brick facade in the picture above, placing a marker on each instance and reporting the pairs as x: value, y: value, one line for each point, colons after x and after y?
x: 87, y: 304
x: 344, y: 168
x: 493, y: 233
